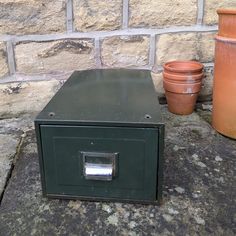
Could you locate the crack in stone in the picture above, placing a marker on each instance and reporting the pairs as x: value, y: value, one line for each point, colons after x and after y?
x: 13, y: 89
x: 80, y: 47
x: 15, y: 157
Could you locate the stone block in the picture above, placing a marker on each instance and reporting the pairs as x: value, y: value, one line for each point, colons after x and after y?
x: 3, y: 60
x: 210, y: 15
x: 55, y: 56
x: 158, y: 13
x: 92, y: 15
x: 207, y: 87
x: 157, y: 79
x: 12, y: 130
x: 176, y: 46
x: 125, y: 51
x: 185, y: 46
x: 32, y: 16
x: 206, y: 47
x: 26, y: 97
x: 8, y: 145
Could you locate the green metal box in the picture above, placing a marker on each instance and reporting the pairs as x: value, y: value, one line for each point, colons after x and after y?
x: 101, y: 138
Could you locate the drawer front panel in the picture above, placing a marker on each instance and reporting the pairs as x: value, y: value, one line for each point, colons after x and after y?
x: 100, y: 161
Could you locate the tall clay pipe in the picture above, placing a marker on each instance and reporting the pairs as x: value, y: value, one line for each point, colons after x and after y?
x: 224, y: 87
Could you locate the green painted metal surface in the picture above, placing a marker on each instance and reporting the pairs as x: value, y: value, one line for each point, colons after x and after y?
x: 102, y: 111
x: 137, y: 161
x: 115, y: 97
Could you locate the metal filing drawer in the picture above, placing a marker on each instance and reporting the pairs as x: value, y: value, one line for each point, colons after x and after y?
x: 100, y: 137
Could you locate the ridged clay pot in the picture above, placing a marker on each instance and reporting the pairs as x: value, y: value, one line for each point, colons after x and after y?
x: 183, y: 67
x: 183, y: 78
x: 224, y: 86
x: 182, y: 82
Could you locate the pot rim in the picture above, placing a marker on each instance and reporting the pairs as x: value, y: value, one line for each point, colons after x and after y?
x: 225, y: 39
x: 228, y: 11
x: 183, y: 66
x: 187, y: 94
x: 183, y: 84
x: 185, y: 78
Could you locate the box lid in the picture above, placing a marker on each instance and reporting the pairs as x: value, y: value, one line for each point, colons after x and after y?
x: 110, y: 96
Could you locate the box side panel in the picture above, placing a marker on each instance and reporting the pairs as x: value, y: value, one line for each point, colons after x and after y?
x: 40, y: 156
x: 161, y: 145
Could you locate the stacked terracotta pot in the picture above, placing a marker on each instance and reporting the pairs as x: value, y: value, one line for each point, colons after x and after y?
x: 224, y: 88
x: 182, y: 81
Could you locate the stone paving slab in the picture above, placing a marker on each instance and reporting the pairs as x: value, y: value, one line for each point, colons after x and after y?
x: 199, y: 192
x: 11, y: 132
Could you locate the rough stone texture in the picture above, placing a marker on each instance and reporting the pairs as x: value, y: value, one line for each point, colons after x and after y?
x: 210, y: 15
x: 56, y: 56
x: 8, y: 144
x: 32, y: 16
x: 199, y: 193
x: 185, y: 46
x: 26, y: 97
x: 125, y: 51
x: 157, y: 79
x: 176, y: 46
x: 11, y: 131
x: 3, y: 60
x: 207, y: 88
x: 92, y: 15
x: 15, y: 100
x: 206, y: 46
x: 158, y: 13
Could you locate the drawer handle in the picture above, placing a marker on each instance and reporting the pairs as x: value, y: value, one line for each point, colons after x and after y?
x: 98, y: 171
x: 99, y: 166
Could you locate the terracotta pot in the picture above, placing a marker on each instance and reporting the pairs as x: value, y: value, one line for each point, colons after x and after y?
x: 185, y: 88
x: 227, y: 22
x: 224, y: 87
x: 181, y: 104
x: 183, y: 78
x: 183, y: 67
x: 182, y: 82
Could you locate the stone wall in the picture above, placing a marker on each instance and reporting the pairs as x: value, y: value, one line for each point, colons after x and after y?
x: 40, y: 37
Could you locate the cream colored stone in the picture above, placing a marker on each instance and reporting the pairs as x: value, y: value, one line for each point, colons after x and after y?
x: 32, y: 16
x: 185, y: 46
x: 3, y: 60
x: 26, y: 97
x: 176, y: 46
x: 56, y: 56
x: 125, y: 51
x: 8, y: 145
x: 206, y: 47
x: 159, y: 13
x: 157, y: 79
x: 91, y: 15
x: 210, y: 15
x: 207, y: 87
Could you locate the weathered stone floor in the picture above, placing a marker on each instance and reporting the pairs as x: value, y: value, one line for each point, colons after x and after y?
x: 199, y: 187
